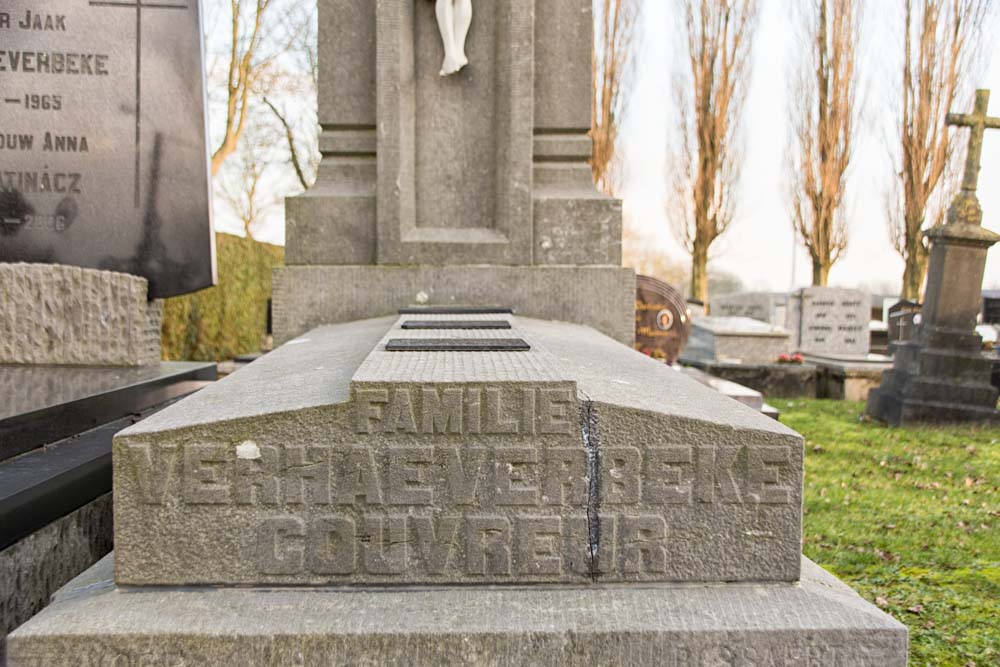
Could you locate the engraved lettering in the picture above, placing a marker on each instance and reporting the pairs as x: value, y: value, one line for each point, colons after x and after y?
x: 152, y: 467
x: 256, y: 480
x: 399, y: 415
x: 528, y: 411
x: 565, y: 479
x: 307, y: 474
x: 495, y: 420
x: 205, y: 479
x: 487, y: 545
x: 406, y: 481
x: 279, y: 545
x: 472, y: 408
x: 332, y: 545
x: 642, y: 544
x: 537, y: 543
x: 663, y: 483
x: 383, y: 546
x: 368, y: 408
x: 358, y: 478
x: 554, y: 411
x: 515, y: 476
x: 620, y: 468
x: 765, y: 467
x: 441, y: 413
x: 463, y: 470
x: 435, y: 540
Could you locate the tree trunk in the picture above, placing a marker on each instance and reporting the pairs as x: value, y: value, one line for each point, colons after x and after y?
x: 699, y: 273
x: 914, y: 273
x: 821, y: 273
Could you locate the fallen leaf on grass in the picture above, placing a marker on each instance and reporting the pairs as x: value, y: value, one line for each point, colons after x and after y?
x: 916, y: 609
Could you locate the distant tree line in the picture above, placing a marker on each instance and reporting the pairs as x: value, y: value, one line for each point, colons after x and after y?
x: 943, y: 46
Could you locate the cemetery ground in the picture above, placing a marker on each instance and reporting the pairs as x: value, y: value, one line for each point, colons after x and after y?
x: 910, y: 518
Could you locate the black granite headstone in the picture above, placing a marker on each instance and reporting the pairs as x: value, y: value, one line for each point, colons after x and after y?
x: 103, y: 154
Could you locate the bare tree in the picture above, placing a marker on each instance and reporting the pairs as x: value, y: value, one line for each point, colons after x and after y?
x: 614, y: 43
x: 244, y: 71
x: 241, y: 183
x: 823, y: 114
x: 943, y: 50
x: 709, y: 94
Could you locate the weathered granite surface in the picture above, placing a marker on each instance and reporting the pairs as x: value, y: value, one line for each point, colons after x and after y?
x: 566, y: 463
x: 32, y: 569
x: 818, y: 622
x: 599, y: 296
x: 66, y: 315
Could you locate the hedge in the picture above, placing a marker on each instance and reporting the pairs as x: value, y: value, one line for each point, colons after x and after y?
x: 229, y: 319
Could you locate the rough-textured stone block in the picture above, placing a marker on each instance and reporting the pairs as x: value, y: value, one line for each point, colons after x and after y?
x: 33, y: 568
x: 600, y: 296
x: 577, y: 460
x: 66, y: 315
x: 819, y: 622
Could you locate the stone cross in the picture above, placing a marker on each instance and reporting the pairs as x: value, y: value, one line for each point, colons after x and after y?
x: 978, y: 122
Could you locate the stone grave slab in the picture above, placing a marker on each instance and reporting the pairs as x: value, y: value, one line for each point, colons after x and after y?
x: 105, y: 162
x: 771, y: 307
x: 368, y: 466
x: 740, y: 340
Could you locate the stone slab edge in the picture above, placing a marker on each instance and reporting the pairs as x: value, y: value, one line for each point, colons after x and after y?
x: 819, y: 622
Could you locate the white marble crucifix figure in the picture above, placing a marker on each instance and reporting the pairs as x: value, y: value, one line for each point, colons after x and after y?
x: 454, y: 18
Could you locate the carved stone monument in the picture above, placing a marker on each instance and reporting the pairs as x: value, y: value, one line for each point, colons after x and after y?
x: 460, y: 484
x: 941, y: 375
x: 468, y: 188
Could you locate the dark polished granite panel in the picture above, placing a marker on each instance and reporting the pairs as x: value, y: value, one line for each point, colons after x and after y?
x: 41, y: 404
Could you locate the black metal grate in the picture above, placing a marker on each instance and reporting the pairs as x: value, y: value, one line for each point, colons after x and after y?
x: 456, y: 310
x: 456, y: 324
x: 457, y: 345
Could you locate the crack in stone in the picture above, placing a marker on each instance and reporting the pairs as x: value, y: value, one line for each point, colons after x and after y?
x: 591, y: 443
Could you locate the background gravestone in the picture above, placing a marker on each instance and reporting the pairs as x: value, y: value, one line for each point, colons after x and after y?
x: 662, y: 319
x: 771, y: 307
x: 831, y: 321
x: 103, y: 153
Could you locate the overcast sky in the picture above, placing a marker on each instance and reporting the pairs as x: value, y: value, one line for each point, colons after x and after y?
x: 758, y: 247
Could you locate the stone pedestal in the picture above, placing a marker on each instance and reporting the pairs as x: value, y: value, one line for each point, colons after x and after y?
x: 568, y: 503
x: 472, y: 188
x: 941, y: 375
x: 817, y: 621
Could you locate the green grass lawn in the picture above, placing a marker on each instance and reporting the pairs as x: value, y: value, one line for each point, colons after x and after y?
x: 910, y: 518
